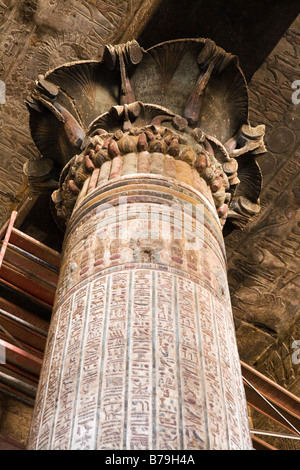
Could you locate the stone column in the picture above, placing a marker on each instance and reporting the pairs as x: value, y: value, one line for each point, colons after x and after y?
x: 141, y: 351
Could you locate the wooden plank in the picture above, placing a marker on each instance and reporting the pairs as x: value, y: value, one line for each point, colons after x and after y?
x: 16, y: 394
x: 259, y: 444
x: 21, y: 359
x: 35, y: 247
x: 7, y: 236
x: 25, y: 384
x: 21, y: 374
x: 24, y: 346
x: 28, y: 284
x: 24, y: 263
x: 33, y: 321
x: 25, y: 297
x: 21, y: 332
x: 285, y: 402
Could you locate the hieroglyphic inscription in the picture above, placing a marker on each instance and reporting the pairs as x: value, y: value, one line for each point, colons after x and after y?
x: 50, y: 384
x: 239, y: 390
x: 112, y: 403
x: 262, y: 268
x: 227, y: 371
x: 43, y: 382
x: 144, y: 352
x: 213, y: 383
x: 140, y: 370
x: 166, y: 371
x: 143, y: 359
x: 193, y: 400
x: 68, y: 378
x: 86, y: 405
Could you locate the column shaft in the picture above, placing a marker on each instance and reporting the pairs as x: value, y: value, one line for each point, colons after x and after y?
x: 141, y: 351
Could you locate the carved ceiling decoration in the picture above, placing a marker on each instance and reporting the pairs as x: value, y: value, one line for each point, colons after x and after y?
x: 263, y: 259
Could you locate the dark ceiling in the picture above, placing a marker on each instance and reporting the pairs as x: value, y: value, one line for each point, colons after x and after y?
x: 249, y: 29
